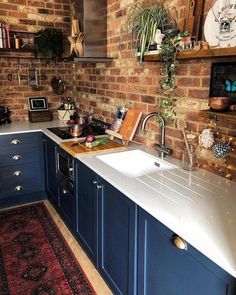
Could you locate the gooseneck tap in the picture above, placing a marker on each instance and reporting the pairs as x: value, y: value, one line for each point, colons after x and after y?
x: 161, y: 147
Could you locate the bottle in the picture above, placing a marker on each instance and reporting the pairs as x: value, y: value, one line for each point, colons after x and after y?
x: 189, y: 158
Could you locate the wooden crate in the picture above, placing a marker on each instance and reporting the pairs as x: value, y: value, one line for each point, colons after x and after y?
x: 40, y: 116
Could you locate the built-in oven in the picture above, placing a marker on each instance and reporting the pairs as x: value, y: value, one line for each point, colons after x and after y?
x: 66, y: 184
x: 65, y: 164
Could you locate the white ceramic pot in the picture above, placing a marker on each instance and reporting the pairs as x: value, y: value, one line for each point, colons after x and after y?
x: 64, y: 115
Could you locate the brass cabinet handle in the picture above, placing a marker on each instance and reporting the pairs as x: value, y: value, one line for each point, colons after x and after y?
x: 178, y: 242
x: 16, y: 157
x: 94, y: 182
x: 99, y: 186
x: 17, y: 173
x: 15, y: 141
x: 18, y: 188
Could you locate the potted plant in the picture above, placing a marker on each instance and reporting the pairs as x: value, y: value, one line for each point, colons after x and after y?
x: 185, y: 40
x: 143, y: 22
x: 49, y: 42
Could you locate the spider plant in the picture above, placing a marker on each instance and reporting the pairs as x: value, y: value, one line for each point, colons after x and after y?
x: 142, y: 23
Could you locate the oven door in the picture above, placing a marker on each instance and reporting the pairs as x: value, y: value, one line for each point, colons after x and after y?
x: 65, y: 164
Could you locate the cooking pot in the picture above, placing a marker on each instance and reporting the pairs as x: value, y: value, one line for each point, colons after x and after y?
x: 75, y: 130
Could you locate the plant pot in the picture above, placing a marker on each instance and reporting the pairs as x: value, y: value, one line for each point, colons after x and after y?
x: 64, y: 115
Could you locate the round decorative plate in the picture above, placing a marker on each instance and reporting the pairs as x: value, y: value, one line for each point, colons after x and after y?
x: 220, y: 24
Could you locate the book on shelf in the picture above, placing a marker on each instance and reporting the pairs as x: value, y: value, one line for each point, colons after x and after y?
x: 1, y: 41
x: 4, y: 35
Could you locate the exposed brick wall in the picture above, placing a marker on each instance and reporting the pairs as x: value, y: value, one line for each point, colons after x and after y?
x: 101, y: 87
x: 31, y: 16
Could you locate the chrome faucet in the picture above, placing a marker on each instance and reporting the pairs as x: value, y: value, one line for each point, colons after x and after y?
x: 161, y: 147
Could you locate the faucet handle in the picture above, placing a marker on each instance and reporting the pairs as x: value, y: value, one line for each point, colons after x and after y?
x: 163, y: 149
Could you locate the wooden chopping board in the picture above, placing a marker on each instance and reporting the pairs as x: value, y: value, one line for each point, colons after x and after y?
x: 80, y: 149
x: 130, y: 124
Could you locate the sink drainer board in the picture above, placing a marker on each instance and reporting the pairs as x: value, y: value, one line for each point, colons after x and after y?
x: 80, y: 149
x: 135, y: 163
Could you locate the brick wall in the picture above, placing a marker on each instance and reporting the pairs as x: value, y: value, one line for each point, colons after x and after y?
x: 101, y: 87
x: 31, y: 16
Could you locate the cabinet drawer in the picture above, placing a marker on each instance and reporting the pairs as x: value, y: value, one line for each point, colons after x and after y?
x: 19, y: 171
x: 13, y: 186
x: 27, y: 155
x: 18, y: 141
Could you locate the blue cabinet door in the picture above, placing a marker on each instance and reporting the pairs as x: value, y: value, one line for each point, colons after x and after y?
x: 50, y: 148
x: 117, y: 235
x: 86, y: 194
x: 164, y: 269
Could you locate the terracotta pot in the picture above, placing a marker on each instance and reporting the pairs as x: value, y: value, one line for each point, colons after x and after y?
x: 219, y: 103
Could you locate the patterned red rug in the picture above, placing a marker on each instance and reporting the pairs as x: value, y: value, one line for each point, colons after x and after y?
x: 34, y: 257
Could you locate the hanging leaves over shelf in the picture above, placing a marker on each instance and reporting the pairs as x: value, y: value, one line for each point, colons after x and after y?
x: 49, y: 42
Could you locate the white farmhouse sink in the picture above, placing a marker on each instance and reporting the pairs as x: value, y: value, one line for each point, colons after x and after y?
x: 135, y: 163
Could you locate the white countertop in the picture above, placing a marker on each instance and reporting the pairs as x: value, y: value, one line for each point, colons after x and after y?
x: 199, y: 206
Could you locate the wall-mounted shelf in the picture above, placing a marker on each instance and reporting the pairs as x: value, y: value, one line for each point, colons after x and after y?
x: 192, y: 54
x: 228, y: 116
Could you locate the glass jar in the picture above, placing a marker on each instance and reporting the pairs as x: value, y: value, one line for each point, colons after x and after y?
x: 189, y: 158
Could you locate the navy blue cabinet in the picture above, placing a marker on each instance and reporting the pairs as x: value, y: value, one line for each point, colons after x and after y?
x: 106, y: 228
x: 117, y: 238
x: 21, y: 168
x: 50, y: 151
x: 165, y: 269
x: 87, y: 198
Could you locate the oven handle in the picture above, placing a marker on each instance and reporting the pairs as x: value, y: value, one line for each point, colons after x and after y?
x: 57, y: 160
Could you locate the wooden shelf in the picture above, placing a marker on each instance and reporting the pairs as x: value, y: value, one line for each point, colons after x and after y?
x: 228, y: 116
x: 192, y: 54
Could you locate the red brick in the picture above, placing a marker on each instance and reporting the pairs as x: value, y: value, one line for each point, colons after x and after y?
x: 198, y: 93
x: 188, y: 82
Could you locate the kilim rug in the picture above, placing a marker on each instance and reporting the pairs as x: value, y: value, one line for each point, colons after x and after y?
x: 34, y: 257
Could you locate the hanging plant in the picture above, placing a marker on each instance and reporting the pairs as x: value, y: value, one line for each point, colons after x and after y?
x: 168, y: 54
x: 49, y: 42
x: 143, y: 22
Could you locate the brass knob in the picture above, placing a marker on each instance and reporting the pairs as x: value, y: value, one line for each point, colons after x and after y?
x: 16, y: 157
x: 94, y: 182
x: 99, y: 186
x: 15, y: 141
x: 178, y: 242
x: 17, y: 173
x: 18, y: 188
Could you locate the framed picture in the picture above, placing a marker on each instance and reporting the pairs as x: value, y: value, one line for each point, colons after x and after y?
x: 38, y: 104
x: 223, y: 80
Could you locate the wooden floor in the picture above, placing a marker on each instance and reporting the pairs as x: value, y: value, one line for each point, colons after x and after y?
x: 95, y: 279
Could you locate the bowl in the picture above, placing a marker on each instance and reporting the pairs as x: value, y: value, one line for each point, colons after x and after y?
x: 220, y: 103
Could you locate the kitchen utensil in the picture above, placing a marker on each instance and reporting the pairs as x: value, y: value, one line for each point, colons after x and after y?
x: 221, y: 149
x: 181, y: 124
x: 19, y: 70
x: 58, y: 86
x: 10, y: 76
x: 190, y: 17
x: 198, y: 19
x: 75, y: 130
x: 219, y: 103
x: 130, y: 124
